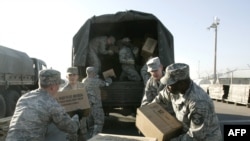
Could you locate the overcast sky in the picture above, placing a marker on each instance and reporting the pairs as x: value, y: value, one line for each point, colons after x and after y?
x: 45, y: 28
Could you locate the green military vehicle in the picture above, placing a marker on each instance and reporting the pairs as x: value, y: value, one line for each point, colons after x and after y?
x: 122, y: 96
x: 18, y: 74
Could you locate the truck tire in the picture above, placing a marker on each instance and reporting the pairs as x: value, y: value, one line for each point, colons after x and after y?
x: 3, y: 107
x: 11, y: 98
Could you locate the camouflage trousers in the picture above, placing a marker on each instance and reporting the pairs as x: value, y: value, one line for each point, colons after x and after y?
x: 95, y: 121
x: 82, y: 134
x: 129, y: 73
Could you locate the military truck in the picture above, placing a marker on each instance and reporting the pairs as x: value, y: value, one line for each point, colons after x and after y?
x: 122, y: 96
x: 18, y: 74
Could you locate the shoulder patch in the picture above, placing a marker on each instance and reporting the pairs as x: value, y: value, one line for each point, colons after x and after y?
x: 197, y: 118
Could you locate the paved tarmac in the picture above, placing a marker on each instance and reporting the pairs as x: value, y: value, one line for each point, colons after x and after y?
x: 231, y: 111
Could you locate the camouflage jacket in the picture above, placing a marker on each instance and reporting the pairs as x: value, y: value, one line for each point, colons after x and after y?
x: 99, y: 45
x: 92, y: 86
x: 34, y: 112
x: 152, y: 88
x: 196, y: 111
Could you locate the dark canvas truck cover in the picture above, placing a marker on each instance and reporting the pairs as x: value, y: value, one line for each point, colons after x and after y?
x: 135, y: 25
x: 14, y: 62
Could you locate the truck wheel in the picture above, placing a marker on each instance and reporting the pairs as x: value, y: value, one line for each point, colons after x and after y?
x: 3, y: 107
x: 11, y: 98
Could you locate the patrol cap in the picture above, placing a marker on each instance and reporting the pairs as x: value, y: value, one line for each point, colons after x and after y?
x: 90, y: 69
x: 50, y: 77
x: 153, y: 64
x: 174, y: 73
x: 72, y: 70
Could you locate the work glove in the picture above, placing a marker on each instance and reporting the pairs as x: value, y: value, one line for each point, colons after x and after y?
x: 108, y: 81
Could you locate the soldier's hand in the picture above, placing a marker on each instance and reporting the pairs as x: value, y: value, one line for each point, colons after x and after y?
x: 109, y: 80
x: 80, y: 113
x: 86, y: 112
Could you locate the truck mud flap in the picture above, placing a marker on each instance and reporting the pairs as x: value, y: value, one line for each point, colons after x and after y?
x: 11, y: 98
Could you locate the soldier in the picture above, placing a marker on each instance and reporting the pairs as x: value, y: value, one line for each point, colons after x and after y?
x: 72, y: 76
x: 153, y: 85
x: 191, y: 105
x: 37, y: 109
x: 99, y: 45
x: 92, y: 84
x: 127, y: 58
x: 144, y: 72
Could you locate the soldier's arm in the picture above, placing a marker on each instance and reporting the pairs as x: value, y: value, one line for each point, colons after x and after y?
x: 147, y: 97
x: 103, y: 47
x: 62, y: 120
x: 100, y: 82
x: 145, y: 74
x: 200, y: 116
x: 123, y: 57
x: 164, y: 99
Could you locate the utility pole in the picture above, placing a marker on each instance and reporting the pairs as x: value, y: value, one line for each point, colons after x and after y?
x: 215, y: 25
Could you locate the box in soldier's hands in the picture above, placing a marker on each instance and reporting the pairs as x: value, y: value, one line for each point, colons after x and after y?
x: 148, y: 47
x: 154, y: 121
x: 73, y: 100
x: 108, y: 73
x: 113, y: 137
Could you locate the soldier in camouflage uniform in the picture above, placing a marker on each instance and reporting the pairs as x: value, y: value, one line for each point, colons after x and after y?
x: 144, y: 72
x: 127, y: 56
x: 72, y: 76
x: 99, y: 45
x: 92, y: 85
x: 191, y: 105
x: 153, y: 85
x: 37, y: 109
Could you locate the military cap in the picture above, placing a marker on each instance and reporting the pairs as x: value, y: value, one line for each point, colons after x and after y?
x: 90, y: 69
x: 50, y: 77
x: 153, y: 64
x: 72, y: 70
x: 174, y: 73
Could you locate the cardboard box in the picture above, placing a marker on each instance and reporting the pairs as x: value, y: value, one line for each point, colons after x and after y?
x: 73, y: 99
x: 108, y: 73
x: 148, y: 47
x: 154, y: 121
x: 112, y: 137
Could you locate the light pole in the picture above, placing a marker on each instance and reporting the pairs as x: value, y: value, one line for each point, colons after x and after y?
x: 215, y: 25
